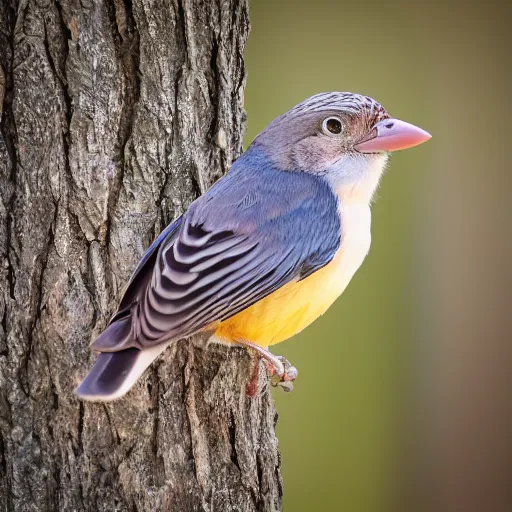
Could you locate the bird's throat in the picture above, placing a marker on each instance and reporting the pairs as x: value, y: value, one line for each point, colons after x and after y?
x: 355, y: 179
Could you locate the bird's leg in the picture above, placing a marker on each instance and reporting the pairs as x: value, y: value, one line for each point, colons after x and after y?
x: 279, y: 366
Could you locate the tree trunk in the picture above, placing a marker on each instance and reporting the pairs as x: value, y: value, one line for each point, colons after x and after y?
x: 116, y: 115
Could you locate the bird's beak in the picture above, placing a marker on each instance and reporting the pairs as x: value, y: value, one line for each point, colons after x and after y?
x: 391, y: 135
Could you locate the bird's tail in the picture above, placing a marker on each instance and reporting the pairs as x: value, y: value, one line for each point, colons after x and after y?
x: 114, y: 373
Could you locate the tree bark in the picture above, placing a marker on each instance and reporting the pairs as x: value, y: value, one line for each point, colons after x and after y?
x: 116, y: 114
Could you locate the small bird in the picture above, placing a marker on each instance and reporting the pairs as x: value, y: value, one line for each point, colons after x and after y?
x: 266, y: 250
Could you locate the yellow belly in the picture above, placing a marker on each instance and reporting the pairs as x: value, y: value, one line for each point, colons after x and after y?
x: 294, y: 306
x: 289, y: 309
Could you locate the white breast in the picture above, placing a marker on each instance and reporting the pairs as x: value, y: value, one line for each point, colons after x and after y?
x: 354, y: 180
x: 355, y: 240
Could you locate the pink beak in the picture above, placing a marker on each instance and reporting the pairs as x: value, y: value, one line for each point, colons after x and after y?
x: 391, y: 135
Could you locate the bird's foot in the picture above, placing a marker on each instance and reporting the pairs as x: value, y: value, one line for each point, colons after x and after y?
x: 282, y: 374
x: 281, y: 371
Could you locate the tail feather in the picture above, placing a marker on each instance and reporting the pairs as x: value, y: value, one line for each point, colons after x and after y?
x: 114, y: 373
x: 117, y: 336
x: 122, y: 361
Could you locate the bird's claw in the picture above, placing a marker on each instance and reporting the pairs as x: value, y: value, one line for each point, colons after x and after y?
x: 286, y: 386
x: 282, y: 372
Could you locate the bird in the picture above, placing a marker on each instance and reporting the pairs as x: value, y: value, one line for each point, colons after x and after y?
x: 266, y: 250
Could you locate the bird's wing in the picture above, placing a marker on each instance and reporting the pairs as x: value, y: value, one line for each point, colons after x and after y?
x: 249, y: 235
x: 143, y: 270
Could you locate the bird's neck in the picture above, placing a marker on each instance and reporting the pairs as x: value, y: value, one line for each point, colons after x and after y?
x: 354, y: 179
x: 357, y: 179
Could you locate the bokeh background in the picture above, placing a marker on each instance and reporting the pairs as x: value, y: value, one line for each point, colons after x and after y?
x: 404, y: 399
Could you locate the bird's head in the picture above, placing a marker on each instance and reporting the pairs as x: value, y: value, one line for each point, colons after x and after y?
x: 344, y: 137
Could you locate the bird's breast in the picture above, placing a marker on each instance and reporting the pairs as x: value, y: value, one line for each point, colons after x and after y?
x: 294, y: 306
x: 355, y: 239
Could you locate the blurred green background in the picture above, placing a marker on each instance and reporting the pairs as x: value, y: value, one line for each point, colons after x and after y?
x: 403, y: 400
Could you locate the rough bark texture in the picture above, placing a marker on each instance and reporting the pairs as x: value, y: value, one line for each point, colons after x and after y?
x: 115, y: 116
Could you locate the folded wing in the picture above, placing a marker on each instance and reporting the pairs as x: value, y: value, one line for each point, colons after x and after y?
x: 221, y: 257
x: 250, y: 234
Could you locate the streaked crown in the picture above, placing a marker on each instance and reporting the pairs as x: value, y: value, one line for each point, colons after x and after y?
x: 346, y: 102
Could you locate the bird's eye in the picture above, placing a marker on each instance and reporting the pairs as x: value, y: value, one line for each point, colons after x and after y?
x: 332, y: 126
